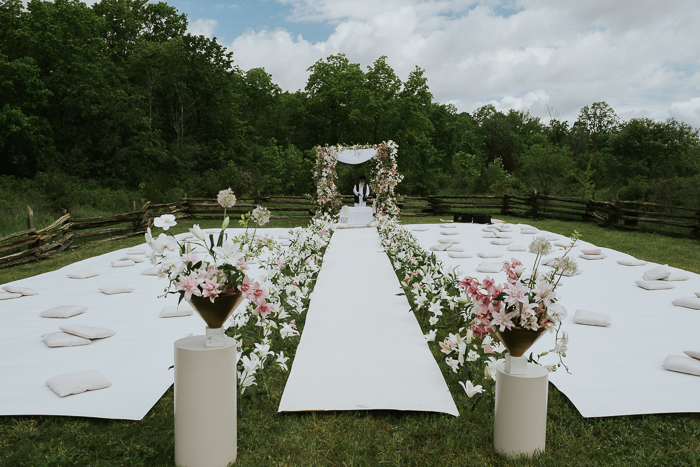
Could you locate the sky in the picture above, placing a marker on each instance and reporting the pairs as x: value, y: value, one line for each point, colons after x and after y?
x: 548, y: 57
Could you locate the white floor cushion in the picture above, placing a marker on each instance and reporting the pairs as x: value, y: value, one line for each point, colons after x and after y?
x: 136, y: 251
x: 457, y: 254
x: 122, y: 264
x: 175, y: 311
x: 490, y: 267
x: 20, y: 290
x: 676, y: 276
x: 63, y: 311
x: 489, y: 235
x: 450, y: 232
x: 420, y: 229
x: 657, y: 273
x: 77, y: 382
x: 9, y: 296
x: 693, y: 353
x: 682, y: 364
x: 655, y: 285
x: 591, y: 318
x: 449, y: 240
x: 631, y: 262
x: 150, y: 272
x: 591, y: 251
x: 455, y: 248
x: 134, y: 258
x: 688, y: 302
x: 82, y: 274
x: 517, y: 248
x: 87, y: 332
x: 115, y: 289
x: 489, y: 254
x: 63, y: 339
x: 439, y: 247
x: 501, y: 242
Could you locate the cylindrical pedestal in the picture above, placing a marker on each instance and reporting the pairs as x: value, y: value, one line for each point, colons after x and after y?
x: 520, y: 425
x: 205, y: 403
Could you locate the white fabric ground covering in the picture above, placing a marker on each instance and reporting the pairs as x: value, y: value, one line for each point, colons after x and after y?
x: 616, y: 370
x: 361, y: 347
x: 135, y: 360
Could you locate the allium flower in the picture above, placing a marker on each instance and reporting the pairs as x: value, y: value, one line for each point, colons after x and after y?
x: 165, y: 221
x: 260, y: 216
x: 226, y: 198
x: 540, y: 246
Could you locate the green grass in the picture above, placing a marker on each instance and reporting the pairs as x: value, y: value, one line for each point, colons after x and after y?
x: 377, y: 438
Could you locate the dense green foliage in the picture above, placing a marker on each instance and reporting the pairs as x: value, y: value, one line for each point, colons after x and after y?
x: 119, y: 96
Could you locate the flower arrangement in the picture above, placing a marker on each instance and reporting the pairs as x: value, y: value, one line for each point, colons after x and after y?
x: 384, y: 180
x: 210, y: 266
x: 526, y: 302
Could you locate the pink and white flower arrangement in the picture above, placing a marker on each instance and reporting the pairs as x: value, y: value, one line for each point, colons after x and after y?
x: 221, y: 271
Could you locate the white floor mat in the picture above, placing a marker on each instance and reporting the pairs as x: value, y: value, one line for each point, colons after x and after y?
x: 616, y: 370
x: 361, y: 347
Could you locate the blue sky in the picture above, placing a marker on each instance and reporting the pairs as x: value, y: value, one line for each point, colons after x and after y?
x: 542, y: 56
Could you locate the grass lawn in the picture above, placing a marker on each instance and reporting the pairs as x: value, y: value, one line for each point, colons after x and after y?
x: 375, y: 438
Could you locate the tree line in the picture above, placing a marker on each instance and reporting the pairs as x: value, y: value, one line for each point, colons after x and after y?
x: 119, y: 96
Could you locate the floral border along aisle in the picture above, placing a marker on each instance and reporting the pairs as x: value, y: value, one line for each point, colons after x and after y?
x: 457, y: 322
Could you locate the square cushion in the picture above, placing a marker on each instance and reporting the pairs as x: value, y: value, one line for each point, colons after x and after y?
x: 448, y: 226
x: 591, y: 251
x: 657, y: 273
x: 9, y: 296
x: 455, y: 248
x: 450, y: 232
x: 150, y: 272
x: 591, y: 318
x: 420, y: 229
x: 134, y: 258
x: 77, y: 382
x: 175, y: 311
x: 655, y: 285
x: 697, y: 294
x: 136, y: 251
x: 62, y: 339
x: 631, y: 262
x: 676, y: 276
x: 489, y: 254
x: 20, y: 290
x: 63, y: 311
x: 517, y: 248
x: 489, y: 229
x: 529, y: 232
x: 450, y: 241
x: 693, y: 353
x: 341, y: 225
x: 122, y: 263
x: 502, y: 235
x: 82, y: 274
x: 688, y: 302
x: 490, y: 266
x: 592, y: 257
x: 682, y: 364
x: 562, y: 244
x: 501, y: 242
x: 489, y: 235
x: 115, y: 289
x: 87, y: 332
x: 457, y: 254
x: 439, y: 247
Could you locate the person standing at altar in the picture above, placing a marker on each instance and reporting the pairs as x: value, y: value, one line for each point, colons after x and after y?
x: 361, y: 192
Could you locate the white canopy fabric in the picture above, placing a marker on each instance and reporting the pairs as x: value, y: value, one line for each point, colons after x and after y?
x: 356, y: 156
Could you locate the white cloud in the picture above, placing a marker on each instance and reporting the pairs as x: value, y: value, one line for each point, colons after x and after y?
x: 633, y: 54
x: 203, y: 27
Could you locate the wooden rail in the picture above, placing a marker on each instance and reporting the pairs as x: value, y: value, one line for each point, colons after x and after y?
x: 32, y: 244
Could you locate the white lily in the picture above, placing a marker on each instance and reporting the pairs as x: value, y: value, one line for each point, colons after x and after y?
x: 470, y: 389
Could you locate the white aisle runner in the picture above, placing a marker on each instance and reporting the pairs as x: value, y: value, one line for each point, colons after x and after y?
x: 362, y: 347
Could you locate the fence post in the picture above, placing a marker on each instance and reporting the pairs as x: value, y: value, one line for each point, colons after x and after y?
x: 696, y: 231
x: 614, y: 210
x: 534, y: 206
x: 504, y: 206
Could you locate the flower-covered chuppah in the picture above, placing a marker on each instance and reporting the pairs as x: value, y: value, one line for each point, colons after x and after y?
x: 383, y: 181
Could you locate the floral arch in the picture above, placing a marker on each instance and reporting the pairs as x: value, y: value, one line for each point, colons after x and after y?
x: 384, y: 177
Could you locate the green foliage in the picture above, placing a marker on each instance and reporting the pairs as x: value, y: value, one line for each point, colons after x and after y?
x: 545, y: 166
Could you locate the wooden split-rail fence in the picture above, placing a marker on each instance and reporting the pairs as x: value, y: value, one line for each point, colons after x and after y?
x: 35, y: 244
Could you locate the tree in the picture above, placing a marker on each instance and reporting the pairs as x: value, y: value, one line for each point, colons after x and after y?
x: 334, y: 89
x: 598, y: 122
x: 545, y: 165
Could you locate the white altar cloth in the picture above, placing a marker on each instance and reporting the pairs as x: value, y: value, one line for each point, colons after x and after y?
x: 362, y: 348
x: 360, y: 217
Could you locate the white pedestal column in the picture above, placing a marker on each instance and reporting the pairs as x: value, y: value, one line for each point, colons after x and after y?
x: 205, y: 403
x: 520, y: 425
